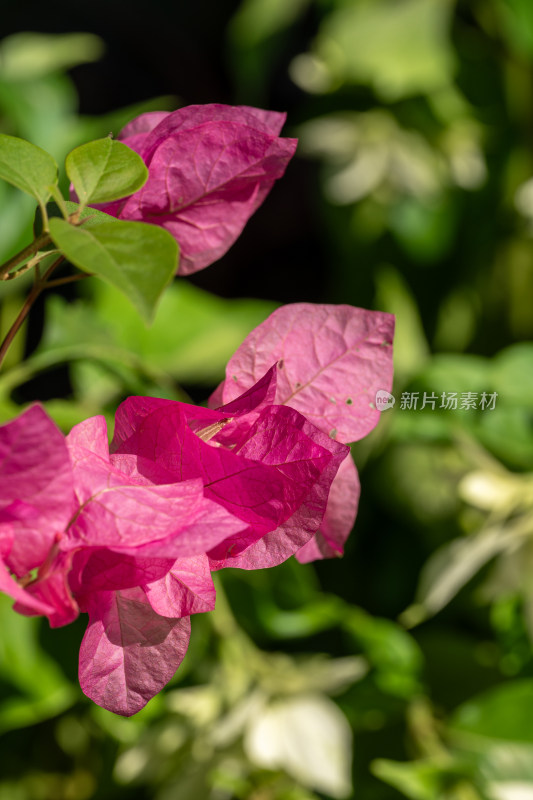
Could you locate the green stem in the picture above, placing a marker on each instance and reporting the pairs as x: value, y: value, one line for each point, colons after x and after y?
x: 44, y: 214
x: 33, y: 262
x: 39, y: 285
x: 27, y: 252
x: 60, y: 200
x: 12, y: 332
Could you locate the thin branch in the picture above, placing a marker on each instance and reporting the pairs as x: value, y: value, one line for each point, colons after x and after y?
x: 39, y: 285
x: 24, y: 311
x: 33, y: 262
x: 27, y: 252
x: 69, y: 279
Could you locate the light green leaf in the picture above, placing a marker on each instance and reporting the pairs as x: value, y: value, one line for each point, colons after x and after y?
x: 138, y: 259
x: 400, y: 48
x: 418, y: 780
x: 393, y: 294
x: 105, y: 170
x: 495, y: 728
x: 512, y: 374
x: 29, y: 55
x: 194, y: 333
x: 451, y: 567
x: 27, y: 167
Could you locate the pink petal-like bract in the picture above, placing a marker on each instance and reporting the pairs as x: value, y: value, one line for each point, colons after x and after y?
x: 36, y: 487
x: 187, y: 588
x: 339, y: 518
x: 331, y: 362
x: 125, y: 512
x: 287, y: 538
x: 210, y: 167
x: 129, y: 652
x: 262, y: 473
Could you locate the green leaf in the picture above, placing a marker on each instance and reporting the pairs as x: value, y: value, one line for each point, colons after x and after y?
x: 418, y: 780
x: 105, y: 170
x: 512, y: 374
x: 194, y: 333
x: 27, y: 167
x: 451, y: 566
x: 495, y: 728
x: 257, y: 20
x: 500, y: 714
x: 137, y: 258
x: 394, y: 654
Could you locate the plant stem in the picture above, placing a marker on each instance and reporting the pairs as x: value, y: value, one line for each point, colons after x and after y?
x: 12, y: 332
x: 27, y: 252
x: 33, y: 262
x: 69, y: 279
x: 39, y: 285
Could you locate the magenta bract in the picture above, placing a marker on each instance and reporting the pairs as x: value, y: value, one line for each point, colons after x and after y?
x: 210, y: 167
x: 36, y: 488
x: 339, y: 518
x: 109, y: 542
x: 331, y: 361
x: 129, y: 652
x: 131, y: 536
x: 266, y: 464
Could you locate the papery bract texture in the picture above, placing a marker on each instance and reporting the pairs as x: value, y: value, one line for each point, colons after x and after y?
x: 36, y: 487
x: 263, y: 463
x: 210, y: 167
x: 339, y: 518
x: 129, y: 652
x: 124, y: 512
x: 331, y: 361
x: 107, y: 540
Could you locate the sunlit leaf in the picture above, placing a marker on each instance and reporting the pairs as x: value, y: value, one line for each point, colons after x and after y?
x: 399, y: 48
x: 451, y: 567
x: 309, y: 737
x: 105, y: 170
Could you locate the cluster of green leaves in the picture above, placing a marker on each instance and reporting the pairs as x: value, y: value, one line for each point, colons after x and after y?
x: 137, y: 258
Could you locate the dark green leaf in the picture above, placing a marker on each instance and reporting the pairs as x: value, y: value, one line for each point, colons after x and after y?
x: 138, y: 259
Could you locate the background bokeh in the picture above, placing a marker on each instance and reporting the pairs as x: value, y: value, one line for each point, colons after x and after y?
x: 404, y: 669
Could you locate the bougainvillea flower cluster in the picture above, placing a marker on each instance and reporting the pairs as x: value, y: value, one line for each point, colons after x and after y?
x: 130, y: 534
x: 210, y: 167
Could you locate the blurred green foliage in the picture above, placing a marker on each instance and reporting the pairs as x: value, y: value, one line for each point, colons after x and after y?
x: 418, y: 117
